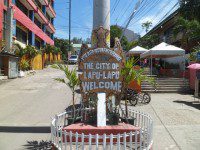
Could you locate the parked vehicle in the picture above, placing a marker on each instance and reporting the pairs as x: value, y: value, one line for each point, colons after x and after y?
x: 73, y: 59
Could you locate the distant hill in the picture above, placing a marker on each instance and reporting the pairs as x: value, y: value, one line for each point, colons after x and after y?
x: 130, y: 35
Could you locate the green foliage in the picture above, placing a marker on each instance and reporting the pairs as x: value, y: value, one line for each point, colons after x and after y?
x: 146, y: 25
x: 132, y: 44
x: 19, y: 51
x: 77, y: 40
x: 190, y: 9
x: 124, y: 43
x: 24, y: 65
x: 190, y: 30
x: 56, y: 50
x: 130, y: 74
x: 71, y: 75
x: 63, y: 45
x: 149, y: 41
x: 2, y: 45
x: 193, y: 54
x: 51, y: 49
x: 48, y: 49
x: 31, y: 51
x: 116, y: 31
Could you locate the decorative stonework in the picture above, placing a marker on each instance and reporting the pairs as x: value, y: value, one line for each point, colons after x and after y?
x: 100, y: 67
x: 101, y: 38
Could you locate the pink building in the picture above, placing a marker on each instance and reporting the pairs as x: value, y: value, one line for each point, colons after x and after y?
x: 27, y: 22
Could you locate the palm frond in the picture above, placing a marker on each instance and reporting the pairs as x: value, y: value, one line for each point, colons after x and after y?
x: 60, y: 80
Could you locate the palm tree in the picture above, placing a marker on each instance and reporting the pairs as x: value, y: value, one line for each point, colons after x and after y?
x: 190, y: 30
x: 73, y: 80
x: 146, y: 25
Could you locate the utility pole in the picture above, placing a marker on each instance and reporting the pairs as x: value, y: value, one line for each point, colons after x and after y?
x: 101, y: 16
x: 70, y: 6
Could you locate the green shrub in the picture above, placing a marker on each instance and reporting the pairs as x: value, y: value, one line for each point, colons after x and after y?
x: 24, y: 65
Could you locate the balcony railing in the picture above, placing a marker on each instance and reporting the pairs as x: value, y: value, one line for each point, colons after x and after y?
x: 41, y: 14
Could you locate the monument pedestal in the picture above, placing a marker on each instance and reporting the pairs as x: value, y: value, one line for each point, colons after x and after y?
x: 87, y: 129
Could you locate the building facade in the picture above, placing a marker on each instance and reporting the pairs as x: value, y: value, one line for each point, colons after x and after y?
x: 165, y: 31
x: 27, y: 22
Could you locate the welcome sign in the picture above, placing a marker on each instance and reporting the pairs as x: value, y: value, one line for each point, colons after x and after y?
x: 100, y: 71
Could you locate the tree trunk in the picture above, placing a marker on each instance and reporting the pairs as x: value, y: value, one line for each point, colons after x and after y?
x: 126, y: 104
x: 73, y: 95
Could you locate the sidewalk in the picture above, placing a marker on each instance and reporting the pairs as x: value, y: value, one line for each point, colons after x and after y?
x: 176, y: 121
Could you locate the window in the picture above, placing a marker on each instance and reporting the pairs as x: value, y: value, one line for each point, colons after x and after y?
x: 37, y: 2
x: 21, y: 35
x: 38, y: 23
x: 22, y: 7
x: 4, y: 24
x: 48, y: 17
x: 37, y: 44
x: 6, y: 2
x: 48, y: 33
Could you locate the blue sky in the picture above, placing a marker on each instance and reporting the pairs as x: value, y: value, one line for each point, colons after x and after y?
x: 149, y: 10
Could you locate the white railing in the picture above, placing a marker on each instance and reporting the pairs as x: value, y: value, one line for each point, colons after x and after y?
x: 138, y: 140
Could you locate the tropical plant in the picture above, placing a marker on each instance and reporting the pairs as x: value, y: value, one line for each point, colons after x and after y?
x: 2, y: 45
x: 190, y: 30
x: 146, y: 25
x: 56, y: 50
x: 116, y: 31
x: 19, y: 50
x: 72, y: 77
x: 63, y: 45
x: 31, y: 51
x: 132, y: 44
x: 24, y: 65
x: 129, y: 74
x: 149, y: 41
x: 193, y: 54
x: 48, y: 49
x: 190, y: 9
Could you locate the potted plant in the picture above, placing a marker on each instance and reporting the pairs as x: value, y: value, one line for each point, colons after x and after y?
x: 129, y: 74
x: 31, y: 51
x: 113, y: 117
x: 92, y: 115
x: 23, y: 62
x: 72, y: 83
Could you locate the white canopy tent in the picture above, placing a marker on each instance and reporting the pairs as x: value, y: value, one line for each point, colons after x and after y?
x: 163, y: 50
x: 137, y: 50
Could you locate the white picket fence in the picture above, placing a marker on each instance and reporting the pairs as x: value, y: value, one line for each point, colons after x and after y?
x: 137, y: 140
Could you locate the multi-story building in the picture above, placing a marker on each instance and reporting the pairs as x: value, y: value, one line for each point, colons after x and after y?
x: 27, y: 22
x: 165, y: 31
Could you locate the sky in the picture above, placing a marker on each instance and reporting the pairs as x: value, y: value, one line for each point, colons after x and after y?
x: 82, y: 11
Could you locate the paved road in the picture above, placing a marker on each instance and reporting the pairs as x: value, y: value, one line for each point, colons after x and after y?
x: 27, y: 104
x: 30, y: 102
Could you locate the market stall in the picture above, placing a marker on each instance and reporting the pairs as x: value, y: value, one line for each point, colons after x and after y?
x: 163, y: 50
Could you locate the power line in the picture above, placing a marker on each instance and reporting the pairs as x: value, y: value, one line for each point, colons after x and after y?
x: 129, y: 5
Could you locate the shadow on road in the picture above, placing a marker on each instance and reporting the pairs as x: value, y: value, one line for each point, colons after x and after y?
x: 192, y: 104
x: 38, y: 145
x: 17, y: 129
